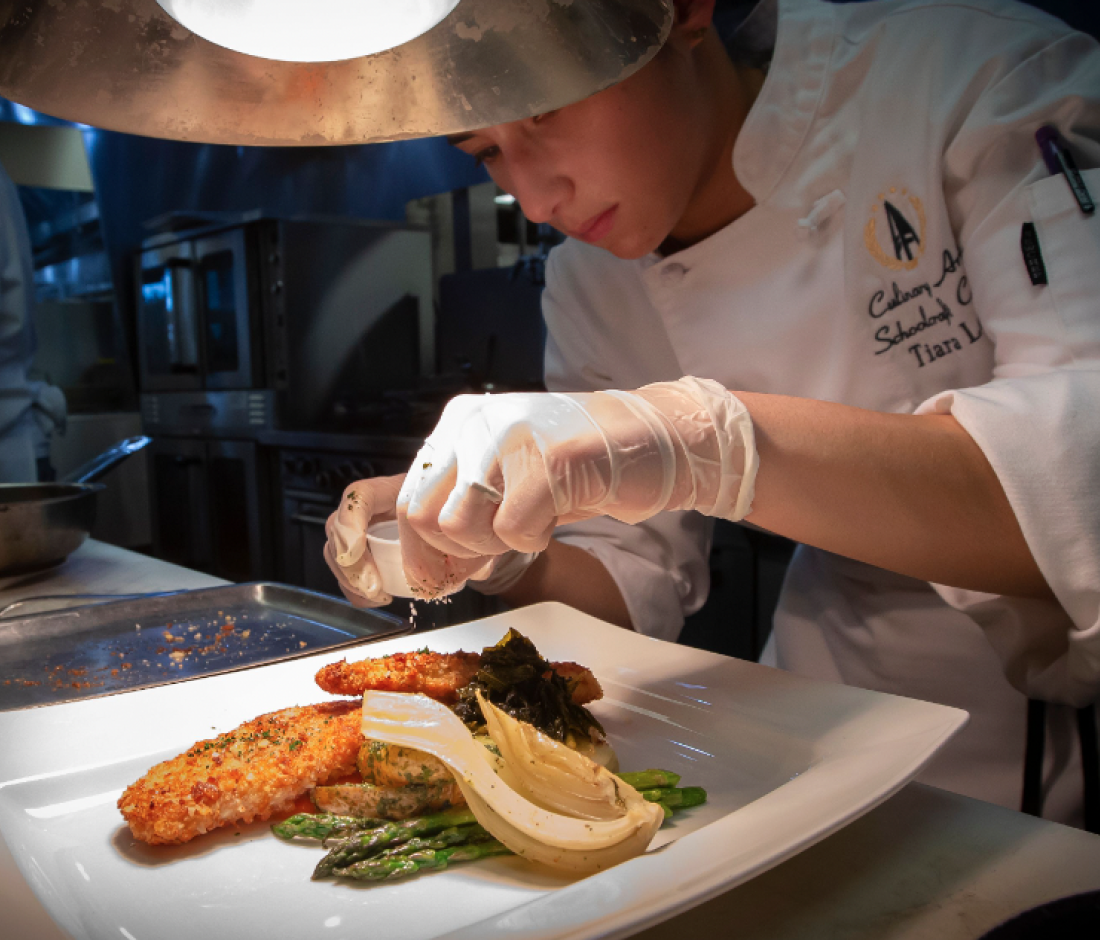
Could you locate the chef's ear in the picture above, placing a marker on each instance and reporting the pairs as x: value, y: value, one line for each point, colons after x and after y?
x: 693, y: 20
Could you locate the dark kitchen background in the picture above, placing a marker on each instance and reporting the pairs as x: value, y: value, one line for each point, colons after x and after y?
x: 283, y: 321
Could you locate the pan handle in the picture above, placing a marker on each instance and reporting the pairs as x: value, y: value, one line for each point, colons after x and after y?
x: 99, y: 465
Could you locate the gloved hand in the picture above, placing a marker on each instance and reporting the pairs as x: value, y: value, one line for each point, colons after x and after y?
x: 346, y: 551
x: 347, y: 555
x: 500, y: 472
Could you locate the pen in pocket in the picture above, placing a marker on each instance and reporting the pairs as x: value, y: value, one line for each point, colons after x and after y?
x: 1059, y: 160
x: 1033, y: 254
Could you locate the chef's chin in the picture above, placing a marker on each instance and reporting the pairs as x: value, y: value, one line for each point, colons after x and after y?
x: 630, y: 247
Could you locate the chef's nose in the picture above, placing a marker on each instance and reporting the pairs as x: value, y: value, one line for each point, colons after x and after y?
x: 540, y: 187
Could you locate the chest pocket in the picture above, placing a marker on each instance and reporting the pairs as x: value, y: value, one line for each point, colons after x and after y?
x: 1069, y: 244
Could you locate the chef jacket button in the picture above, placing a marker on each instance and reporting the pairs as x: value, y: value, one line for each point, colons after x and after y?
x: 673, y: 273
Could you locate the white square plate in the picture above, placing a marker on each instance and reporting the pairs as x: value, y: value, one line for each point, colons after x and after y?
x: 786, y: 761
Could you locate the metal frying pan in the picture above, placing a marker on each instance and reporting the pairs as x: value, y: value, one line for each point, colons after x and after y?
x: 42, y: 523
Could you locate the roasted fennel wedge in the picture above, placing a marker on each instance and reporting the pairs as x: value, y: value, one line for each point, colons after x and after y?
x: 548, y: 804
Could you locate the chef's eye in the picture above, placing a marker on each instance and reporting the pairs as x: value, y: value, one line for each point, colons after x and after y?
x: 486, y: 155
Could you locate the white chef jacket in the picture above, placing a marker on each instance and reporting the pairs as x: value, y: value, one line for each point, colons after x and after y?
x: 892, y: 159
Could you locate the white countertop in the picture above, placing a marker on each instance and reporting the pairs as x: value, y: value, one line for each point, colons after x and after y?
x: 926, y: 864
x: 99, y: 568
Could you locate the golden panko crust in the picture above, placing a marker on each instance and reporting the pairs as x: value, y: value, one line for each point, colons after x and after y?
x: 437, y: 675
x: 246, y: 774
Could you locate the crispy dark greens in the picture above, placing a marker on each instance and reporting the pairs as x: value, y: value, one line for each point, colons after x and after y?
x: 518, y: 680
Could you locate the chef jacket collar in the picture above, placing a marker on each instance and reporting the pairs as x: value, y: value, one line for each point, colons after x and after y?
x: 803, y: 35
x: 799, y: 36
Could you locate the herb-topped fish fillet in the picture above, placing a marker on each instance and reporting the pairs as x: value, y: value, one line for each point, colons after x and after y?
x: 247, y: 774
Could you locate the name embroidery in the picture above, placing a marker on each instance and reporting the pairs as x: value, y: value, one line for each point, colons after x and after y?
x: 939, y: 313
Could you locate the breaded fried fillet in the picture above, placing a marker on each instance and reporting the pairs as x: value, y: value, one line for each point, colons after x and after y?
x: 247, y: 774
x: 437, y: 675
x: 366, y: 799
x: 586, y: 687
x: 389, y: 765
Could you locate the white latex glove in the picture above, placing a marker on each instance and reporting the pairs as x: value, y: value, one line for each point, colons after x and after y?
x: 346, y: 552
x: 374, y: 500
x: 500, y: 472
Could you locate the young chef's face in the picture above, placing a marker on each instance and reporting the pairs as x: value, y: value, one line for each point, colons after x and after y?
x: 619, y: 169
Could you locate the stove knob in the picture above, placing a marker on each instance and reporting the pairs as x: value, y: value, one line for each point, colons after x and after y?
x: 364, y: 469
x: 324, y: 479
x: 303, y: 466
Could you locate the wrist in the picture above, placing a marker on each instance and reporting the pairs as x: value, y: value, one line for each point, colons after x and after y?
x: 715, y: 445
x: 507, y: 569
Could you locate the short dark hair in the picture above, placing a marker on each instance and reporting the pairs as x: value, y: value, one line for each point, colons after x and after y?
x: 728, y: 17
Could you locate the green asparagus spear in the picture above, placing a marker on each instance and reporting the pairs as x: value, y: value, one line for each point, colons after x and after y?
x: 649, y: 779
x: 676, y: 797
x: 322, y: 825
x: 361, y: 845
x: 456, y: 835
x: 389, y: 869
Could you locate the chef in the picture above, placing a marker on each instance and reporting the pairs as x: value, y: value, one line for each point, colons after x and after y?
x: 823, y: 281
x: 29, y: 410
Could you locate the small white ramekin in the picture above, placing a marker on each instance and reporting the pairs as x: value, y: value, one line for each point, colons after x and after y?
x: 385, y: 548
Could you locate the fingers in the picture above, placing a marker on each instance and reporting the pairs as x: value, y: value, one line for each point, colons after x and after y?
x: 347, y: 528
x: 467, y: 515
x: 527, y: 516
x: 435, y: 565
x: 480, y: 488
x: 345, y: 550
x: 432, y: 477
x: 362, y: 502
x: 430, y: 572
x: 360, y: 583
x: 427, y: 486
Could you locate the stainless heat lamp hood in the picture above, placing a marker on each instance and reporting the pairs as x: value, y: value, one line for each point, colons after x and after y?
x: 125, y: 65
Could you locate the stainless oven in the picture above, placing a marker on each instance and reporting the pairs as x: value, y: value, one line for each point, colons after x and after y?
x: 168, y: 355
x: 260, y: 326
x: 318, y: 312
x: 196, y: 312
x: 211, y: 503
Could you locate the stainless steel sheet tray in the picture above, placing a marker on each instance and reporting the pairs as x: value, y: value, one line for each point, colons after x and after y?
x: 101, y: 649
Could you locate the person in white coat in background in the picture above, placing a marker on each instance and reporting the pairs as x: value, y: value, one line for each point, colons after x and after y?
x: 29, y: 410
x: 873, y: 317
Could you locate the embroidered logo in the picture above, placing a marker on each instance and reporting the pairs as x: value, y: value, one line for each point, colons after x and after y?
x: 898, y: 243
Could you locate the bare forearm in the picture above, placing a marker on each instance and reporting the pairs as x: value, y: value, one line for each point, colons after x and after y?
x: 572, y: 576
x: 910, y: 493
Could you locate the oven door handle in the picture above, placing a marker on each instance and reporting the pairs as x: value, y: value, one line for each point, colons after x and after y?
x: 184, y: 335
x: 306, y: 517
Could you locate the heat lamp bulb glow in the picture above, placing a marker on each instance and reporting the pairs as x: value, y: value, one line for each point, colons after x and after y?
x: 308, y: 30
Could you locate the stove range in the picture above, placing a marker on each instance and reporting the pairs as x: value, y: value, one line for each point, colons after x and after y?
x: 314, y: 471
